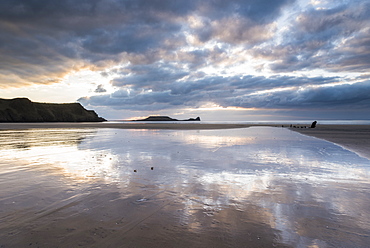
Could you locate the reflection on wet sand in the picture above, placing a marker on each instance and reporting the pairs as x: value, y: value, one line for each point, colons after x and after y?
x: 255, y: 187
x: 23, y: 139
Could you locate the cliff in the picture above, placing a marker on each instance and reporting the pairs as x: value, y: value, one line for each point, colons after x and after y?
x: 166, y: 118
x: 23, y: 110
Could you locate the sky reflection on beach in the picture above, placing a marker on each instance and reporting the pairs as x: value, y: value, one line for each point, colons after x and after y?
x: 262, y: 185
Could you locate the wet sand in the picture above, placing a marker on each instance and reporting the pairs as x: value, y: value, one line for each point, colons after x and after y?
x: 353, y: 137
x: 67, y: 186
x: 132, y: 125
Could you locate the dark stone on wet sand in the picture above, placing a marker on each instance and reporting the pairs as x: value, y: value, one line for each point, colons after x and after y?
x: 313, y: 125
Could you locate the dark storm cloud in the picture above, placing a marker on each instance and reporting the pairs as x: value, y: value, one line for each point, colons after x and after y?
x: 241, y: 92
x: 155, y: 76
x: 50, y: 38
x: 164, y: 54
x: 259, y: 11
x: 346, y: 96
x: 41, y: 41
x: 238, y: 22
x: 336, y: 39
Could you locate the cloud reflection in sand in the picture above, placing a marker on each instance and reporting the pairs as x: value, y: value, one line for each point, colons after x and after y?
x: 58, y: 150
x: 270, y: 182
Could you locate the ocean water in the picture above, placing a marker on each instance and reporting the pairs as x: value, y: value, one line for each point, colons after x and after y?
x: 257, y: 186
x: 272, y: 122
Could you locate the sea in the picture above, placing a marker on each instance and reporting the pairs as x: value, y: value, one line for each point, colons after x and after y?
x: 270, y: 122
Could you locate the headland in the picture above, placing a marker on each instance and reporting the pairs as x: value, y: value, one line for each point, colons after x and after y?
x: 24, y: 110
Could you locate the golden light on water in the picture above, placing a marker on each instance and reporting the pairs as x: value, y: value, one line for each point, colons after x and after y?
x: 67, y: 160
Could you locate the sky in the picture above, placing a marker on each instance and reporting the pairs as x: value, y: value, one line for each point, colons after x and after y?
x: 238, y: 60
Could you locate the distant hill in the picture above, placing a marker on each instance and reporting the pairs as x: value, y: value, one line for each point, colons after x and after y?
x: 23, y: 110
x: 166, y: 118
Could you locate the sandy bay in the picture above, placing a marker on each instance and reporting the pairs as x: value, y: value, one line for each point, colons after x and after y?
x: 183, y: 185
x: 353, y: 137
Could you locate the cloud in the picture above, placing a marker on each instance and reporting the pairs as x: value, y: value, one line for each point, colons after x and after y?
x: 335, y: 39
x: 258, y: 11
x: 165, y: 54
x: 154, y: 76
x: 246, y: 92
x: 42, y: 41
x: 346, y: 96
x: 240, y: 31
x: 100, y: 89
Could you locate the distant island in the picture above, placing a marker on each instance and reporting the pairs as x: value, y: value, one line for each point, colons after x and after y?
x: 166, y: 118
x: 24, y: 110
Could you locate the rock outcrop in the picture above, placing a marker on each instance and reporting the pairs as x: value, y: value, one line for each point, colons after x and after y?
x: 313, y: 125
x: 23, y: 110
x: 166, y: 118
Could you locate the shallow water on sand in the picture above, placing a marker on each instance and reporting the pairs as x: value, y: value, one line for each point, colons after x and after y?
x: 251, y: 187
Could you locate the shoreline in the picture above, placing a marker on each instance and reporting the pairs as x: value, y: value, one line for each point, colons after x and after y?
x: 352, y: 137
x: 355, y: 138
x: 133, y: 125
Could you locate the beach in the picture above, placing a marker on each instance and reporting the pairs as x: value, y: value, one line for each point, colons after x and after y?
x: 183, y: 185
x: 353, y: 137
x: 123, y: 125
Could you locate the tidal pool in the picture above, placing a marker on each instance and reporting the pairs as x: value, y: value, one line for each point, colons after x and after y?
x: 250, y: 187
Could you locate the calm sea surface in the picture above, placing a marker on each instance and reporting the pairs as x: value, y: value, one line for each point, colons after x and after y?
x: 285, y: 122
x: 251, y: 187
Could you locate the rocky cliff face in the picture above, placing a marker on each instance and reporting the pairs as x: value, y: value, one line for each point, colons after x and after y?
x: 23, y: 110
